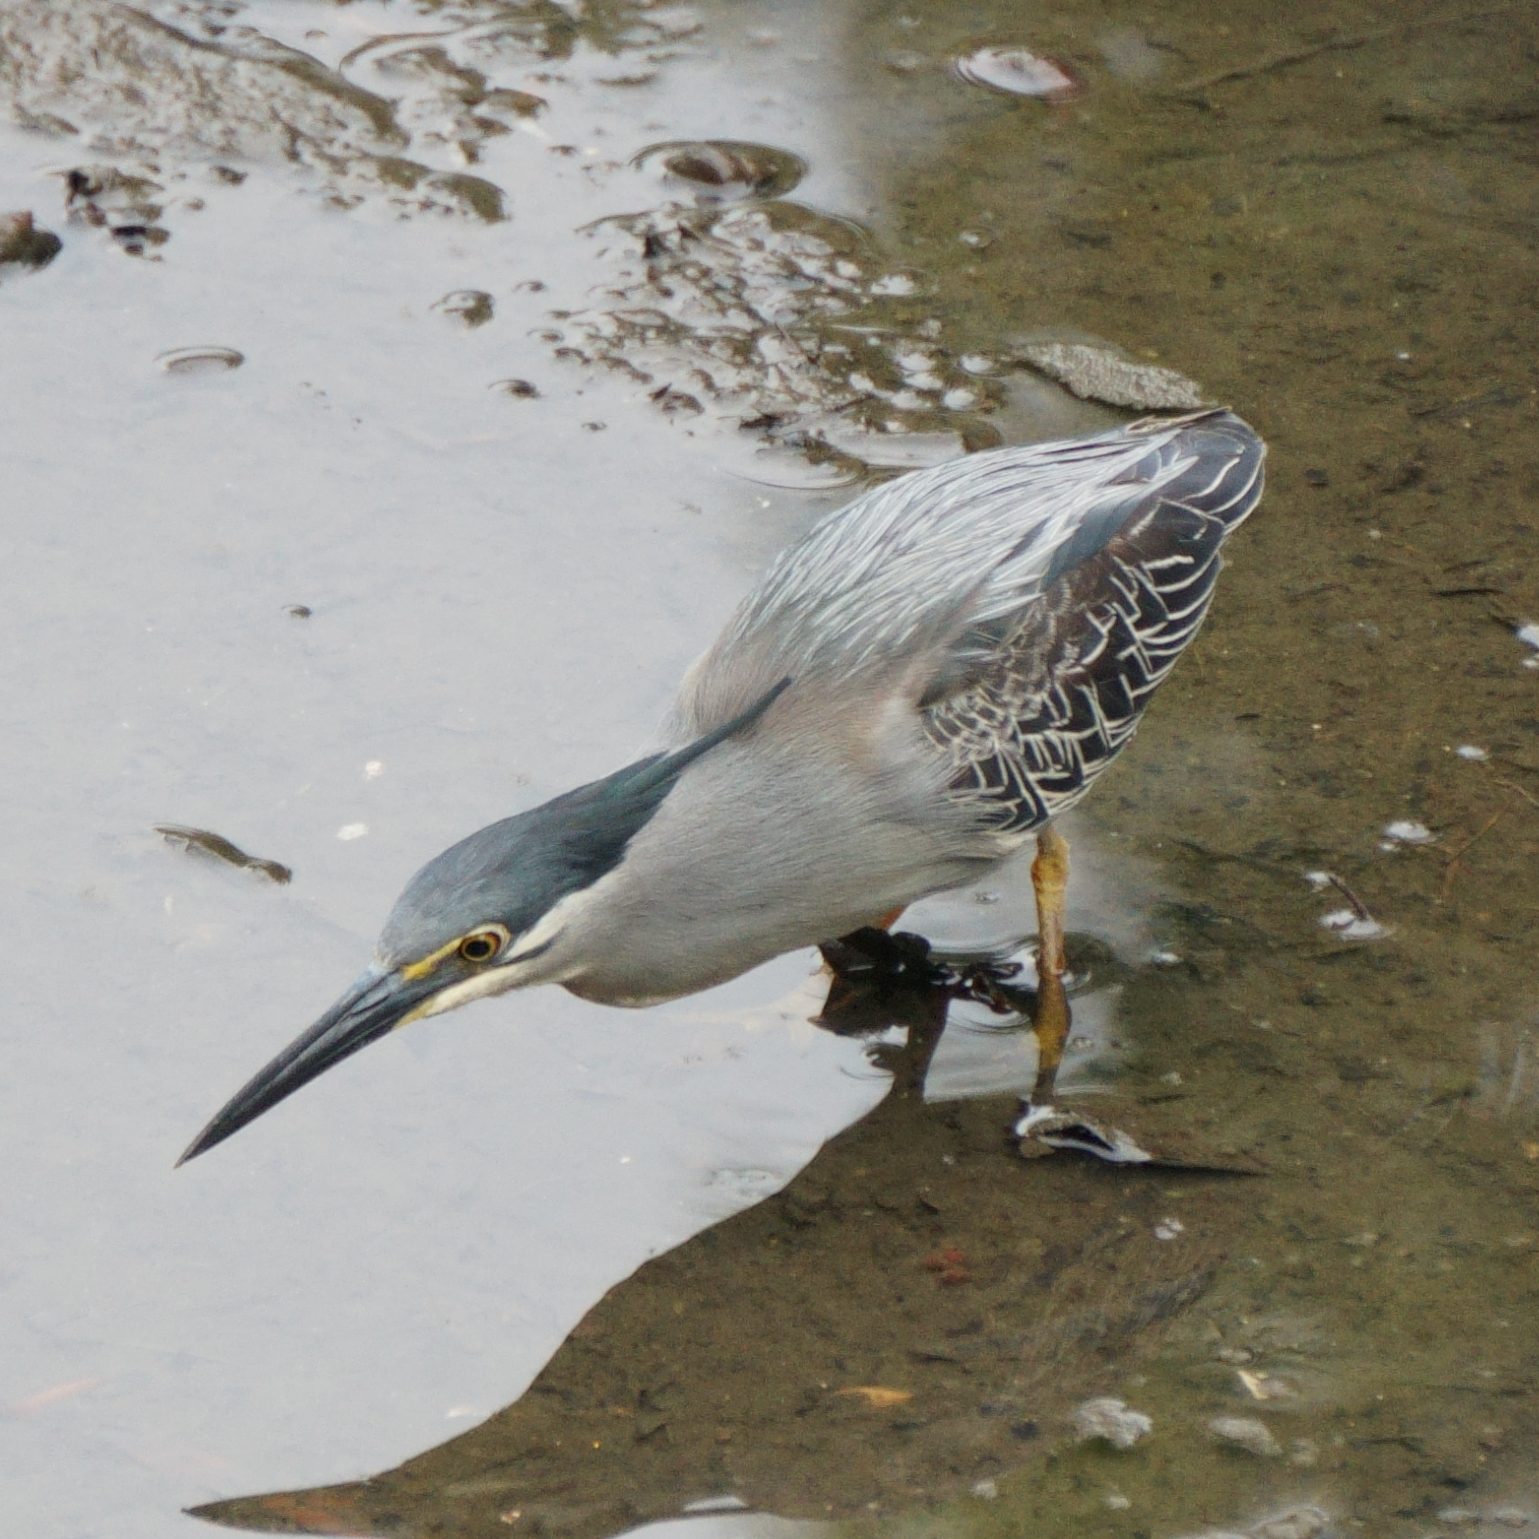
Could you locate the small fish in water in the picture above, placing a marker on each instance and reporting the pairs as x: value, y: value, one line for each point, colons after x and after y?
x: 221, y: 849
x: 1019, y: 72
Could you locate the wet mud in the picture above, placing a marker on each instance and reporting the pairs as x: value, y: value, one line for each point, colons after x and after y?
x: 890, y: 1331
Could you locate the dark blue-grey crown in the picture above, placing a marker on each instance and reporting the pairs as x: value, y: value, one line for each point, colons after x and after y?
x: 515, y: 871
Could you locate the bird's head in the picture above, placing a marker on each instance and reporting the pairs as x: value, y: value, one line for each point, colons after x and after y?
x: 480, y: 919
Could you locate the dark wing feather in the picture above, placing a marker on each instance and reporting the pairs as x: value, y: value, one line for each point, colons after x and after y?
x: 1042, y: 701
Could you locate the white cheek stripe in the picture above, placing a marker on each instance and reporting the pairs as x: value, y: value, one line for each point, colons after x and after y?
x: 537, y: 968
x: 497, y: 981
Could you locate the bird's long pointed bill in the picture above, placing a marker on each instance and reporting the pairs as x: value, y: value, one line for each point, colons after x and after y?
x: 368, y: 1011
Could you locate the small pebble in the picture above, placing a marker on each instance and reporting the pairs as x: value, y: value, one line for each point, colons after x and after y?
x: 1303, y: 1522
x: 474, y: 307
x: 24, y: 244
x: 986, y: 1490
x: 1262, y: 1386
x: 1528, y: 634
x: 1112, y: 1422
x: 1471, y: 752
x: 1305, y: 1453
x: 1118, y: 1502
x: 1247, y: 1433
x: 1403, y: 831
x: 1100, y: 373
x: 352, y: 831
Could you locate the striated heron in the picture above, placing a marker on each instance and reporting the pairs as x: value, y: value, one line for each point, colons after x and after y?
x: 918, y: 686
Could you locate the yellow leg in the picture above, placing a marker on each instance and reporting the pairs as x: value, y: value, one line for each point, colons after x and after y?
x: 1050, y: 878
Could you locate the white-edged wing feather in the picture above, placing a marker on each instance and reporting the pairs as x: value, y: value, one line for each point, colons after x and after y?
x: 1017, y: 608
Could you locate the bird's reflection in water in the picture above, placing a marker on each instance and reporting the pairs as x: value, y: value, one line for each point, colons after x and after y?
x: 917, y: 1311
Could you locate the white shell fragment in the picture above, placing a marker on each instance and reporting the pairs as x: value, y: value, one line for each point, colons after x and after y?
x: 1247, y: 1433
x: 1404, y: 832
x: 1350, y: 925
x: 1112, y: 1422
x: 1169, y: 1229
x: 1471, y: 752
x: 1065, y: 1130
x: 1528, y: 634
x: 194, y: 360
x: 1302, y: 1522
x: 1103, y: 374
x: 1019, y: 72
x: 1265, y: 1386
x: 352, y: 831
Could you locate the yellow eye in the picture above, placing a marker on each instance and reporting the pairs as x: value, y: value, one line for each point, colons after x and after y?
x: 483, y: 945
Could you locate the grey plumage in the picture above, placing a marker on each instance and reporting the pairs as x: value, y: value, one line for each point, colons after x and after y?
x: 968, y: 647
x: 559, y: 848
x: 931, y: 674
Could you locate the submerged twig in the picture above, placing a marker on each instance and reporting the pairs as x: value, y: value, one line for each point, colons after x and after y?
x: 1451, y: 869
x: 1358, y: 906
x: 1528, y: 796
x: 1352, y: 40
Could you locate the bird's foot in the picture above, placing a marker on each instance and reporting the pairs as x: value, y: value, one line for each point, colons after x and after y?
x: 870, y: 955
x: 992, y: 984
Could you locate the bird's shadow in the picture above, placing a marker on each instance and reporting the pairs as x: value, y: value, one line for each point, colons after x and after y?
x: 915, y: 1312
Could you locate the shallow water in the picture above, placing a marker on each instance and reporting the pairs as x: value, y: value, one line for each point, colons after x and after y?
x: 1326, y: 217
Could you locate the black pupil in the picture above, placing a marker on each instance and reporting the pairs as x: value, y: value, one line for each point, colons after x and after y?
x: 479, y: 947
